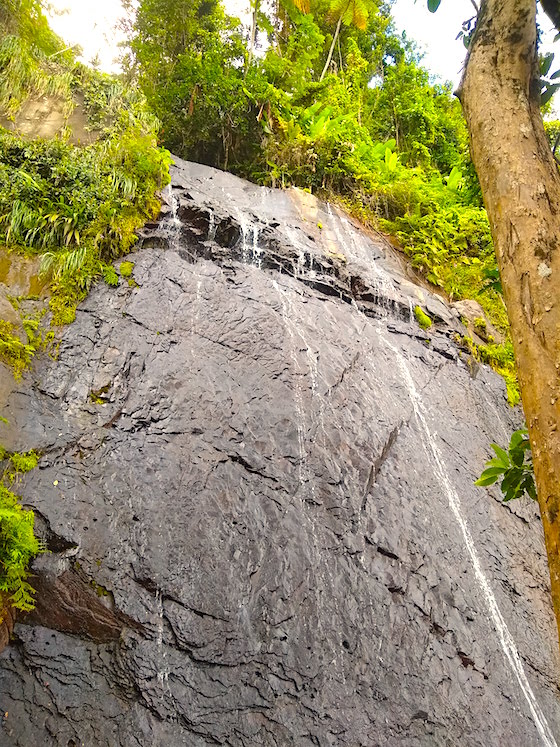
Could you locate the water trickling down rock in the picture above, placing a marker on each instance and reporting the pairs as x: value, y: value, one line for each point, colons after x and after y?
x: 276, y: 501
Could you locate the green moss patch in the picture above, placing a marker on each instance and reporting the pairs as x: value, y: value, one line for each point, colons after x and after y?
x: 422, y: 318
x: 126, y: 268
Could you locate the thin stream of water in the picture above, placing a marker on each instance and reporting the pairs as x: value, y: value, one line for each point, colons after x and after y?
x: 162, y: 670
x: 212, y: 227
x: 251, y: 252
x: 410, y: 311
x: 506, y: 639
x: 355, y: 245
x: 174, y: 225
x: 306, y: 478
x: 304, y: 471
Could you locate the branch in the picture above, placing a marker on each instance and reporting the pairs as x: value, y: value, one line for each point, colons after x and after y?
x: 475, y: 6
x: 62, y: 51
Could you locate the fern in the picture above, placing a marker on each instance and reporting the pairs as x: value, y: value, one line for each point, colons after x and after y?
x: 18, y: 547
x: 352, y: 12
x: 14, y: 352
x: 303, y: 5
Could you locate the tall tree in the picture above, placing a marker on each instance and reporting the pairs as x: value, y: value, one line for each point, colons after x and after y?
x: 255, y: 6
x: 501, y: 95
x: 349, y: 12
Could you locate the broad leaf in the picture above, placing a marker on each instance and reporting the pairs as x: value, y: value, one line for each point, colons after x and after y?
x: 502, y: 455
x: 548, y: 92
x: 489, y: 476
x: 546, y: 62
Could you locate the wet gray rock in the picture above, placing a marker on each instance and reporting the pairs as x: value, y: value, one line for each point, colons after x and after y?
x: 268, y: 468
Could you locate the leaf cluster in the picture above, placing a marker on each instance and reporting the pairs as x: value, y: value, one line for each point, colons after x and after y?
x: 513, y: 467
x: 13, y: 352
x: 78, y: 208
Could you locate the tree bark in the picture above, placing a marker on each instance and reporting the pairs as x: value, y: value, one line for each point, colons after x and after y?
x: 253, y: 36
x: 520, y: 183
x: 331, y: 50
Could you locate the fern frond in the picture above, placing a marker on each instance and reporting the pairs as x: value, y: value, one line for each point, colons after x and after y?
x: 352, y: 12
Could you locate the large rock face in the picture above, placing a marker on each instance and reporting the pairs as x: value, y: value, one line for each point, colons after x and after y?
x: 257, y: 486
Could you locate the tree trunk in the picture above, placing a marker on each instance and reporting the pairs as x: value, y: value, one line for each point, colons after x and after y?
x: 519, y: 178
x: 253, y: 36
x: 331, y: 50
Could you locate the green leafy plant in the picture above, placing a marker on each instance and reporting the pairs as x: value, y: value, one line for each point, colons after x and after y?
x: 500, y: 357
x: 110, y: 276
x: 77, y: 207
x: 18, y: 546
x: 13, y: 352
x: 492, y: 282
x: 24, y: 462
x: 514, y: 467
x: 18, y: 543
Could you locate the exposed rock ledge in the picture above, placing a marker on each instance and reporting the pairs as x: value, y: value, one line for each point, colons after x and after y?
x: 263, y: 526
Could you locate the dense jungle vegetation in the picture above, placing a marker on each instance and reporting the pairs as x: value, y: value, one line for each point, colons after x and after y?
x: 75, y: 206
x: 325, y: 96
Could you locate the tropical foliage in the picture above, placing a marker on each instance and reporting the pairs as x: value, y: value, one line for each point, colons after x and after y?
x: 332, y: 101
x: 76, y: 207
x: 102, y: 194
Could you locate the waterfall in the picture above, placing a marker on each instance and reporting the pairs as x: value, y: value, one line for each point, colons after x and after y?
x: 251, y: 252
x: 173, y: 226
x: 305, y: 476
x: 506, y: 639
x: 356, y: 249
x: 257, y: 251
x: 212, y: 227
x: 303, y: 257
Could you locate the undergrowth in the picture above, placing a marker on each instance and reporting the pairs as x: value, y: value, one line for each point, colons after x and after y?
x: 17, y: 353
x: 18, y: 544
x: 78, y: 208
x: 13, y: 352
